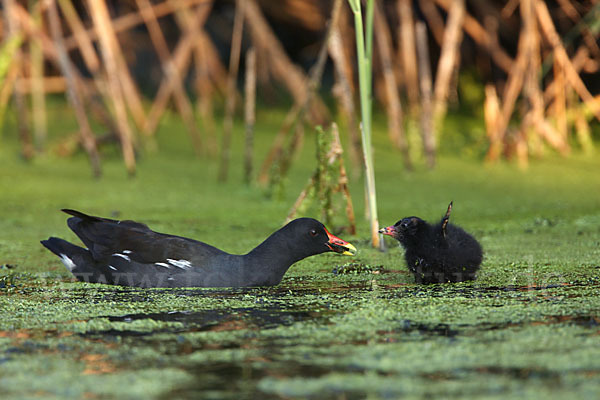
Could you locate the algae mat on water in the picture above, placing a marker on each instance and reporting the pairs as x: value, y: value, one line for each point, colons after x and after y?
x: 527, y: 328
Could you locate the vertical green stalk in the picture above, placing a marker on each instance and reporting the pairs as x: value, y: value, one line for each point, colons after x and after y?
x: 7, y: 52
x: 364, y: 50
x: 8, y: 48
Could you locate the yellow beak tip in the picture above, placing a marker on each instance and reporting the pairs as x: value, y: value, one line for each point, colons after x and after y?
x: 351, y: 250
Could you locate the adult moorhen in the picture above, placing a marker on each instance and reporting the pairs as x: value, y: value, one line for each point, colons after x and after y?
x: 437, y: 253
x: 129, y: 253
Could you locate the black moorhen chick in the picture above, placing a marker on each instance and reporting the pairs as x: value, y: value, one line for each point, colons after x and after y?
x: 128, y: 253
x: 437, y: 253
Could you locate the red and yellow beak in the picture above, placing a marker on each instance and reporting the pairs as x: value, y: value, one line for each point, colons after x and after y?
x: 388, y: 230
x: 340, y: 246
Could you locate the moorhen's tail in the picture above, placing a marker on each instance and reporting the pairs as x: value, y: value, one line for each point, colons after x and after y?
x: 81, y: 215
x: 86, y: 228
x: 100, y: 235
x: 78, y: 260
x: 78, y: 224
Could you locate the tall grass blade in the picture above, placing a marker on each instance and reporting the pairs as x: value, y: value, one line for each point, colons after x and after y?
x: 364, y: 51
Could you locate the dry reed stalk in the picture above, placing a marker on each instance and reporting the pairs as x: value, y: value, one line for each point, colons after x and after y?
x: 85, y: 131
x: 193, y: 24
x: 204, y: 92
x: 109, y: 42
x: 491, y: 114
x: 7, y: 89
x: 534, y: 117
x: 92, y: 62
x: 512, y: 89
x: 263, y: 74
x: 38, y: 98
x: 307, y: 14
x: 426, y: 94
x: 547, y: 132
x: 447, y: 62
x: 509, y: 8
x: 578, y: 61
x: 170, y: 69
x: 560, y: 99
x: 216, y: 67
x: 234, y: 63
x: 343, y: 92
x: 532, y: 85
x: 569, y: 10
x: 312, y: 86
x: 406, y: 38
x: 20, y: 14
x: 50, y: 84
x: 181, y: 61
x: 133, y: 19
x: 81, y: 36
x: 549, y: 31
x: 249, y: 112
x: 383, y: 40
x: 588, y: 37
x: 482, y: 37
x: 50, y: 53
x: 203, y: 86
x: 435, y: 22
x: 181, y: 57
x: 102, y: 22
x: 211, y: 75
x: 13, y: 28
x: 280, y: 65
x: 344, y: 30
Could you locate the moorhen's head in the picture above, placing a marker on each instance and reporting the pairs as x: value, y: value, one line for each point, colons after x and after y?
x: 406, y: 230
x: 307, y: 236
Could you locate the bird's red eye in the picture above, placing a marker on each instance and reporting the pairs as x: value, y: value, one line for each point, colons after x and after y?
x: 313, y: 232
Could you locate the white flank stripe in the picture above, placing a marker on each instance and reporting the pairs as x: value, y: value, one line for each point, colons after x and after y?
x: 163, y: 265
x: 122, y: 256
x: 111, y: 267
x: 183, y: 264
x: 68, y: 262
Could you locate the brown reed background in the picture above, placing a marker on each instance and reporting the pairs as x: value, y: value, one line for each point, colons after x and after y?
x: 537, y: 62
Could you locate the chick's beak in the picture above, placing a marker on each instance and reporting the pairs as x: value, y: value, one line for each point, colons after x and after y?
x: 340, y: 246
x: 388, y: 230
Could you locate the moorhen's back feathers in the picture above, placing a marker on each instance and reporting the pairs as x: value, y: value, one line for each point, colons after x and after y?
x: 442, y: 252
x: 131, y: 254
x: 105, y: 237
